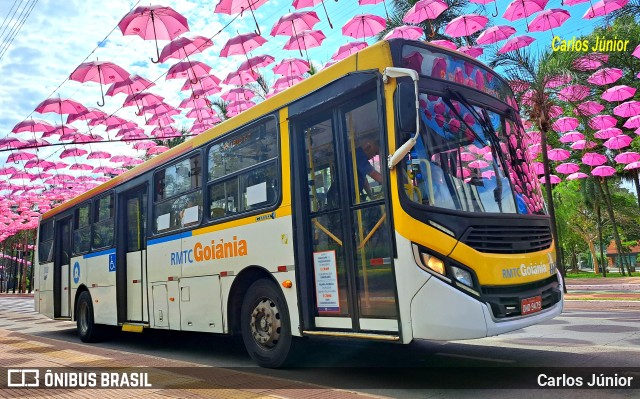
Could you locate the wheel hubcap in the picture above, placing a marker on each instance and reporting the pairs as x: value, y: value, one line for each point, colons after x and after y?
x: 265, y: 323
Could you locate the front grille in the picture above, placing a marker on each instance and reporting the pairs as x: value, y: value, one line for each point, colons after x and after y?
x: 505, y: 300
x: 508, y: 239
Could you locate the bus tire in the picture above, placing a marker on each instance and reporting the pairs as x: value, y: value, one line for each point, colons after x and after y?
x: 266, y: 329
x: 87, y: 329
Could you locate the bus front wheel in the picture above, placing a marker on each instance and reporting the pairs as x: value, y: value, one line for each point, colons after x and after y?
x: 87, y: 329
x: 266, y: 330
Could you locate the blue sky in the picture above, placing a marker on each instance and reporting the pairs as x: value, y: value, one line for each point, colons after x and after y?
x: 59, y: 35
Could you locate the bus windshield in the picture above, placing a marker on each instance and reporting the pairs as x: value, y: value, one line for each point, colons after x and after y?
x: 468, y: 158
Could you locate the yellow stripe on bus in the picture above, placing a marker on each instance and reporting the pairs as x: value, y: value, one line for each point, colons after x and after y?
x: 278, y: 213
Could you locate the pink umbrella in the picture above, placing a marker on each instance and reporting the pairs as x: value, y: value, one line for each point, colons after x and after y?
x: 495, y: 34
x: 567, y: 168
x: 183, y: 47
x: 364, y: 25
x: 604, y: 7
x: 582, y: 144
x: 424, y: 10
x: 287, y: 81
x: 557, y: 81
x: 589, y: 108
x: 291, y: 66
x: 518, y: 9
x: 574, y: 93
x: 632, y: 122
x: 81, y: 166
x: 305, y: 40
x: 99, y: 155
x: 602, y: 122
x: 553, y: 178
x: 242, y: 44
x: 205, y: 82
x: 618, y: 93
x: 465, y: 25
x: 238, y: 94
x: 259, y: 61
x: 565, y: 124
x: 593, y: 159
x: 607, y: 133
x: 603, y: 171
x: 479, y: 164
x: 605, y: 76
x: 627, y: 157
x: 298, y: 4
x: 636, y: 51
x: 347, y: 49
x: 240, y: 78
x: 60, y: 106
x: 132, y: 84
x: 474, y: 52
x: 555, y: 111
x: 549, y: 19
x: 73, y: 152
x: 558, y: 154
x: 187, y: 69
x: 366, y: 2
x: 20, y: 156
x: 590, y: 61
x: 405, y: 32
x: 33, y: 125
x: 515, y: 43
x: 630, y: 108
x: 618, y: 142
x: 103, y: 72
x: 577, y: 175
x: 292, y: 23
x: 633, y: 165
x: 231, y: 7
x: 154, y: 22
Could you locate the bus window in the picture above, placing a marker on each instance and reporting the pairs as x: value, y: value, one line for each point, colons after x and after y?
x: 243, y: 174
x: 178, y: 199
x: 103, y: 223
x: 81, y: 230
x: 45, y: 245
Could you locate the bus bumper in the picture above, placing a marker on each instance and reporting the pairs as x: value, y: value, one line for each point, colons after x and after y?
x: 441, y: 312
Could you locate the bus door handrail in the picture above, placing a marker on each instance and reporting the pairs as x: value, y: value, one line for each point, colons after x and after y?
x: 373, y: 230
x: 327, y: 232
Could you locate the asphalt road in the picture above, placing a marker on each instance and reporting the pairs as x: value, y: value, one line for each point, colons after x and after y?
x: 607, y: 338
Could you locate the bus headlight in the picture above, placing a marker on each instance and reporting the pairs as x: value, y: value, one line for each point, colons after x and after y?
x: 433, y: 263
x: 462, y: 276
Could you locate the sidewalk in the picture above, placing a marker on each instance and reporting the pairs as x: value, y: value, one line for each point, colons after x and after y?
x: 170, y: 378
x: 604, y: 284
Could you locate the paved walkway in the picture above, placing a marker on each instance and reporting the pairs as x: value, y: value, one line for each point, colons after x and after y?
x: 169, y: 378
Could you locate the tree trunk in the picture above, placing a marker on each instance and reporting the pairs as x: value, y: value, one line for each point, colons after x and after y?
x: 549, y: 195
x: 636, y: 180
x: 574, y: 261
x: 612, y: 217
x: 594, y: 254
x: 599, y: 224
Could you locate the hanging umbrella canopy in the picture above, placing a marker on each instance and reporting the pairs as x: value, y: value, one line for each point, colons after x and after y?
x: 633, y: 165
x: 632, y: 122
x: 130, y: 85
x: 574, y: 93
x: 474, y: 52
x: 90, y: 113
x: 20, y: 156
x: 565, y: 124
x: 291, y: 66
x: 204, y: 82
x: 154, y: 22
x: 80, y: 166
x: 73, y: 152
x: 549, y: 19
x: 347, y: 49
x: 627, y: 157
x: 495, y: 34
x: 519, y: 9
x: 567, y: 168
x: 582, y: 144
x: 466, y: 25
x: 259, y: 61
x: 516, y: 43
x: 188, y: 69
x: 242, y: 44
x: 593, y: 159
x: 558, y: 154
x: 555, y: 111
x: 292, y: 23
x: 618, y: 142
x: 618, y: 93
x: 103, y: 72
x: 590, y: 61
x: 630, y: 108
x: 444, y: 43
x: 589, y: 108
x: 553, y: 178
x: 604, y: 7
x: 577, y: 175
x: 364, y: 25
x: 605, y: 76
x: 183, y: 47
x: 424, y: 10
x: 305, y: 40
x: 240, y: 78
x: 60, y: 106
x: 603, y: 171
x: 405, y: 32
x: 231, y: 7
x: 143, y: 98
x: 238, y: 94
x: 571, y: 137
x: 600, y: 122
x: 32, y: 125
x: 607, y: 133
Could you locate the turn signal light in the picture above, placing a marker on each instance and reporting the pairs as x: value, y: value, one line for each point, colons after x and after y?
x: 287, y: 284
x: 433, y: 263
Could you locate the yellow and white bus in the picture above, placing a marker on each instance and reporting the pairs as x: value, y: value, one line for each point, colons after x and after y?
x: 387, y: 197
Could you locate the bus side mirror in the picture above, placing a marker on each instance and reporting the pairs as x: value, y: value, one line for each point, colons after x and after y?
x: 406, y: 106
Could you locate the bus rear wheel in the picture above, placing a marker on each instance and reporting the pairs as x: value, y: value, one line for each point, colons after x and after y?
x: 88, y: 331
x: 266, y: 330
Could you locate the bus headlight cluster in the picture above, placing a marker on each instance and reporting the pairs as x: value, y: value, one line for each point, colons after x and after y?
x: 433, y: 263
x: 463, y: 279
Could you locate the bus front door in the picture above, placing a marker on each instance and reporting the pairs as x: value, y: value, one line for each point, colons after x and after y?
x: 348, y: 277
x: 133, y: 232
x: 61, y: 269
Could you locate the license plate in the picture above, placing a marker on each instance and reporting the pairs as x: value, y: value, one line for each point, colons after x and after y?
x: 531, y: 305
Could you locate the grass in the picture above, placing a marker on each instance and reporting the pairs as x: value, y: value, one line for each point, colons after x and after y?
x: 593, y: 275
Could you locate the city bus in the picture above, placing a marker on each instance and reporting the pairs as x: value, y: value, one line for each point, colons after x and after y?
x: 388, y: 197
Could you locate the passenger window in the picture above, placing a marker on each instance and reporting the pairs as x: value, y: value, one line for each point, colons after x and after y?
x: 103, y: 222
x: 45, y: 245
x: 82, y: 230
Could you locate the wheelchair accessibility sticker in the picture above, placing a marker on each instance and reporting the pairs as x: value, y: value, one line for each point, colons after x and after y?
x: 76, y: 272
x: 112, y: 262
